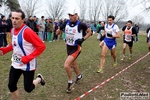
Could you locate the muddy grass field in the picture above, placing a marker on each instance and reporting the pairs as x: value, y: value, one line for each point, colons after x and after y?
x: 50, y: 65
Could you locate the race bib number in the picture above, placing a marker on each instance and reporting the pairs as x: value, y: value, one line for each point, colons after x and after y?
x: 128, y: 37
x: 16, y: 58
x: 70, y: 39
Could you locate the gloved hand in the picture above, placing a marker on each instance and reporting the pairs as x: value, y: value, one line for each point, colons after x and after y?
x: 80, y: 41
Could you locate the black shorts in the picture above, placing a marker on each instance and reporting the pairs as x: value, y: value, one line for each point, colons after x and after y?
x: 73, y: 50
x: 130, y: 44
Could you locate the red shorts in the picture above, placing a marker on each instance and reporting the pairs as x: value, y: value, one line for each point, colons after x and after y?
x: 73, y: 50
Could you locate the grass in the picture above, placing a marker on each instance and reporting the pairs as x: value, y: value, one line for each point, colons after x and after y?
x: 50, y: 65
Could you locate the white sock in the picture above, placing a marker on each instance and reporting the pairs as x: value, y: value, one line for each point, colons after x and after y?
x: 69, y: 81
x: 79, y: 76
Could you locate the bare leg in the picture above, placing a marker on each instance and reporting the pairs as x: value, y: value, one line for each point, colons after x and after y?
x: 149, y: 46
x: 15, y: 95
x: 101, y: 44
x: 76, y: 68
x: 36, y: 81
x: 124, y: 48
x: 130, y: 49
x: 67, y: 66
x: 113, y: 54
x: 104, y: 51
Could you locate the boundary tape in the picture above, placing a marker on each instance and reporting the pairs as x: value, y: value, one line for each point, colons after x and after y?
x: 86, y: 93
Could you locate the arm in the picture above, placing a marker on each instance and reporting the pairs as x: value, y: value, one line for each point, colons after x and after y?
x: 6, y: 50
x: 88, y: 31
x: 123, y: 29
x: 133, y: 31
x: 31, y: 37
x: 59, y: 31
x: 117, y: 35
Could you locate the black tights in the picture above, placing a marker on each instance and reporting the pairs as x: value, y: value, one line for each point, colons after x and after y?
x: 14, y: 76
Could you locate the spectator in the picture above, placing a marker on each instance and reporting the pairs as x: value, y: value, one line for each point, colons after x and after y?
x: 45, y: 32
x: 137, y: 31
x: 98, y: 26
x: 49, y: 29
x: 30, y: 23
x: 60, y: 23
x: 55, y: 28
x: 41, y: 28
x: 9, y: 36
x: 36, y: 29
x: 3, y: 30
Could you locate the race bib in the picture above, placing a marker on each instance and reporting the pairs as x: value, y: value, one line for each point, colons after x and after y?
x: 16, y: 58
x: 70, y: 39
x: 128, y: 37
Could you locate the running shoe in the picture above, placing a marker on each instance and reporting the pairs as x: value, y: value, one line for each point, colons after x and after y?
x: 70, y: 87
x: 130, y: 57
x: 78, y: 79
x: 115, y: 64
x: 100, y: 70
x: 42, y: 79
x: 123, y: 57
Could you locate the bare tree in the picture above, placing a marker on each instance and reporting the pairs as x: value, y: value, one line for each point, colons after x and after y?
x: 94, y: 10
x: 83, y: 8
x: 6, y: 6
x: 56, y: 8
x: 10, y: 4
x: 138, y: 19
x: 30, y: 7
x: 116, y: 8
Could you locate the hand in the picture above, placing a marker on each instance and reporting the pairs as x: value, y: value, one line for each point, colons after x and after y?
x: 1, y: 52
x: 80, y: 41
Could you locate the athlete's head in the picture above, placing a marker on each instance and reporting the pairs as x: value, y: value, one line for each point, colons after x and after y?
x: 129, y: 23
x: 18, y: 18
x: 110, y: 19
x: 73, y: 16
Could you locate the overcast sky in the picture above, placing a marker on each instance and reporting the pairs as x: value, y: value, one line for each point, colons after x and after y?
x: 133, y: 11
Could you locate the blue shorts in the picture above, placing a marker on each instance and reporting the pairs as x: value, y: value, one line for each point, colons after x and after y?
x: 110, y: 43
x: 148, y: 39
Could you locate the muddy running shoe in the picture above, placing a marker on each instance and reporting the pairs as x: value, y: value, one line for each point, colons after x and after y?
x: 42, y: 79
x: 100, y: 70
x: 78, y: 78
x: 115, y: 64
x: 123, y: 58
x: 70, y: 87
x: 130, y: 57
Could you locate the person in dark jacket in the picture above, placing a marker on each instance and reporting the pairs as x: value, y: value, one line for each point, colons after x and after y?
x: 137, y: 32
x: 55, y: 28
x: 9, y: 36
x: 30, y: 23
x: 3, y: 30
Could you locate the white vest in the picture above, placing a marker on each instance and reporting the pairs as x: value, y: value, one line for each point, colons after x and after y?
x: 22, y: 48
x: 72, y: 34
x: 128, y: 34
x: 109, y: 30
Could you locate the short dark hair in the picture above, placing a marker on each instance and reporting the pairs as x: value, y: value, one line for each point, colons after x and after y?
x: 129, y: 21
x: 20, y: 11
x: 110, y: 16
x: 103, y: 22
x: 42, y: 16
